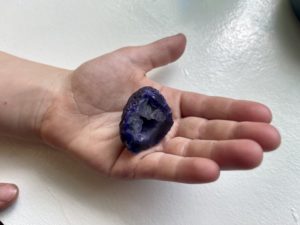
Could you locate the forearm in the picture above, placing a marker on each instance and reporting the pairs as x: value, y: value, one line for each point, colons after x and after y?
x: 26, y: 91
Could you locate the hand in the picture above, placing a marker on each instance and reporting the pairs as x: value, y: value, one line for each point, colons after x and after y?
x: 209, y: 133
x: 8, y: 194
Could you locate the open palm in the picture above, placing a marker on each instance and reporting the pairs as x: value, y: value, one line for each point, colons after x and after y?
x: 209, y: 133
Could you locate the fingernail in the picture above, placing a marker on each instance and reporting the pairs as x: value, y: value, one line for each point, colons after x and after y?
x: 7, y: 192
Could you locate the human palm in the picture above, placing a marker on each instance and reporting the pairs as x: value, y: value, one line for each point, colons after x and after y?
x: 209, y: 133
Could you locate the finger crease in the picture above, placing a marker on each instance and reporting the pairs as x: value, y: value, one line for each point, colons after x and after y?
x: 227, y: 109
x: 211, y: 148
x: 202, y: 129
x: 184, y: 147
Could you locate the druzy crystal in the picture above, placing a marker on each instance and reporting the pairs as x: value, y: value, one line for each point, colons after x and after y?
x: 146, y: 119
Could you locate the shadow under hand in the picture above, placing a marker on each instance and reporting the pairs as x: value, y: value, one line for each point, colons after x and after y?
x: 66, y: 179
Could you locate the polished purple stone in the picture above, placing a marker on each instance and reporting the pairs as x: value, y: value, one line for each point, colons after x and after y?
x: 146, y: 119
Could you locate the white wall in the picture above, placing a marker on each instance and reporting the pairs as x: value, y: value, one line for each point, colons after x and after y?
x: 246, y: 49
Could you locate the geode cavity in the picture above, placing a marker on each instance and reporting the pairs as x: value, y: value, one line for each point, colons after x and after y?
x: 146, y: 119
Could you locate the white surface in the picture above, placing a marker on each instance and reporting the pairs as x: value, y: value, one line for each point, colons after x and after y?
x: 246, y: 49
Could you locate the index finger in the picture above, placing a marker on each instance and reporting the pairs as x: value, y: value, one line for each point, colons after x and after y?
x: 193, y: 104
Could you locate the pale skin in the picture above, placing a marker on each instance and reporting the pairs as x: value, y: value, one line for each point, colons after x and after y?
x: 79, y: 112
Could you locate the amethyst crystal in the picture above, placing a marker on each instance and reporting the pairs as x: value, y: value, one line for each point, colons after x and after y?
x: 146, y: 119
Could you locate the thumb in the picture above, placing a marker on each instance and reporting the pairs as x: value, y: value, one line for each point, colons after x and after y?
x: 159, y: 53
x: 8, y: 194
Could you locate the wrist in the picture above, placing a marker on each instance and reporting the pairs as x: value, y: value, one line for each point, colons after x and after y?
x: 27, y: 89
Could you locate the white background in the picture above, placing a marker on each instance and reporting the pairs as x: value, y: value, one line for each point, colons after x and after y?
x: 248, y: 49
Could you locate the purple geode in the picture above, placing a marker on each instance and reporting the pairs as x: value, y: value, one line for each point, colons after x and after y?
x: 146, y: 119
